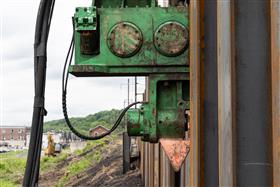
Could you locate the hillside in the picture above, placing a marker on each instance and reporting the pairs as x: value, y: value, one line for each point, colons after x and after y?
x: 105, y: 118
x: 98, y: 164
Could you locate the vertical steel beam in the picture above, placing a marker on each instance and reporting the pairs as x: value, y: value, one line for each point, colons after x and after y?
x: 253, y: 108
x: 195, y: 92
x: 126, y: 152
x: 142, y: 161
x: 185, y: 170
x: 151, y: 165
x: 162, y: 168
x: 210, y: 96
x: 156, y: 165
x: 146, y: 167
x: 275, y: 80
x: 225, y: 106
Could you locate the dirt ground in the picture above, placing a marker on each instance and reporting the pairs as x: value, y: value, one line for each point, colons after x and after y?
x: 108, y: 172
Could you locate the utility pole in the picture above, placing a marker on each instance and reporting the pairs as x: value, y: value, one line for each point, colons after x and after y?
x: 126, y: 141
x: 135, y: 90
x: 128, y: 92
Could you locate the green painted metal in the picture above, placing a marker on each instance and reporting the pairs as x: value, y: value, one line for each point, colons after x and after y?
x: 150, y: 20
x: 85, y: 18
x: 164, y: 115
x: 124, y: 39
x: 137, y: 38
x: 123, y: 3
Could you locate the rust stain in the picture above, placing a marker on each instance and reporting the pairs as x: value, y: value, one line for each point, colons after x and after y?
x: 275, y: 86
x: 125, y: 39
x: 176, y: 150
x: 195, y: 32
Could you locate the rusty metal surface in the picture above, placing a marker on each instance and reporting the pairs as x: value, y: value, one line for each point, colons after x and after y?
x: 275, y: 74
x: 125, y: 39
x: 194, y: 92
x: 225, y: 113
x: 171, y: 38
x: 146, y: 162
x: 231, y: 82
x: 176, y: 151
x: 156, y: 165
x: 151, y: 165
x: 156, y: 170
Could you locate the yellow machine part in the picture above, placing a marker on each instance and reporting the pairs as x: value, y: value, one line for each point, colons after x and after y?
x: 50, y: 149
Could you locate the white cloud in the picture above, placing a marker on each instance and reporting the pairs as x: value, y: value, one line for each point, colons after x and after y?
x: 85, y: 95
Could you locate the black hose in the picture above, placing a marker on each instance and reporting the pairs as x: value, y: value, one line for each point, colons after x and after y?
x: 43, y: 23
x: 65, y: 76
x: 40, y: 61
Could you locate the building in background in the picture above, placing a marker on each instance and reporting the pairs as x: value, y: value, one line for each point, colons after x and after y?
x: 14, y: 136
x: 97, y: 130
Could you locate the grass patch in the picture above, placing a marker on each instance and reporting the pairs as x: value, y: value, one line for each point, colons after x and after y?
x: 48, y: 162
x: 5, y: 183
x: 12, y: 165
x: 78, y: 166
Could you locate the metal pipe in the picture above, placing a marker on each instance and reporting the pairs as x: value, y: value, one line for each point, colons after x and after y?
x: 135, y: 90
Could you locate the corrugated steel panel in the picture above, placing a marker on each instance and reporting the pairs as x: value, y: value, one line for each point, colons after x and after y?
x: 233, y: 138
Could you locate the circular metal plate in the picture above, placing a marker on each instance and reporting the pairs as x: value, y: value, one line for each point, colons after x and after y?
x: 124, y: 39
x: 171, y: 38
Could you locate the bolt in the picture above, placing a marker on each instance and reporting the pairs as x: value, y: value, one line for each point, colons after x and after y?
x: 181, y: 103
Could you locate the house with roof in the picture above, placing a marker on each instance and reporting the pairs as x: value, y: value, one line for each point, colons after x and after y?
x: 97, y: 130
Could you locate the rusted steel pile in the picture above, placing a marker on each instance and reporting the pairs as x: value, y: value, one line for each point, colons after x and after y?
x: 235, y: 99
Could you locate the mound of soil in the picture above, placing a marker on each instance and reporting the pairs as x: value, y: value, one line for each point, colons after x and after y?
x: 108, y: 172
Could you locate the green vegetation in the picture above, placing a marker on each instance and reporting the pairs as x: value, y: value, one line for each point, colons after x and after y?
x: 85, y: 161
x: 83, y: 124
x: 12, y: 166
x: 5, y: 183
x: 49, y: 162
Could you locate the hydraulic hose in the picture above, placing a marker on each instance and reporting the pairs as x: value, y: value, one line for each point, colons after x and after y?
x: 42, y: 28
x: 64, y: 100
x: 40, y: 62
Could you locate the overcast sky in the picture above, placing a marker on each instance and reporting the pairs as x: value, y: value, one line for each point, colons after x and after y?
x: 85, y: 95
